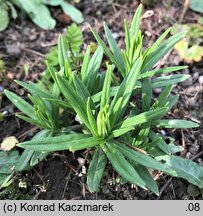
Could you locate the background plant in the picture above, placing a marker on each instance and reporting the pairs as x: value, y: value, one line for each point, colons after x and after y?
x: 111, y: 122
x: 38, y: 11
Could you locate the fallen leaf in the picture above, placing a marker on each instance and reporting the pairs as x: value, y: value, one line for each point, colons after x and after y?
x: 9, y: 143
x: 194, y: 53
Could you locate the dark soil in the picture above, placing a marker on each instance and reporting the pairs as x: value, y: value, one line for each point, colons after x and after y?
x: 61, y: 176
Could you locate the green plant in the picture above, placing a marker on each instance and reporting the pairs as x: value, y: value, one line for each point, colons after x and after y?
x: 196, y: 5
x: 38, y: 11
x: 190, y: 48
x: 110, y: 120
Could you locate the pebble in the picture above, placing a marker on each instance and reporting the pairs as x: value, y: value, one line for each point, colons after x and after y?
x: 13, y: 49
x: 157, y: 90
x: 188, y: 82
x: 200, y: 80
x: 196, y: 75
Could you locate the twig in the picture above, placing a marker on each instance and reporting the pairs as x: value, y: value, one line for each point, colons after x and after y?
x: 164, y: 187
x: 133, y: 147
x: 28, y: 131
x: 33, y: 52
x: 66, y: 185
x: 185, y: 7
x: 197, y: 155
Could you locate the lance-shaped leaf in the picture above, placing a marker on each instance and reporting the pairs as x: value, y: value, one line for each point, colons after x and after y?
x: 62, y: 51
x: 93, y: 69
x: 124, y: 91
x: 148, y: 179
x: 74, y: 99
x: 20, y: 103
x: 185, y: 169
x: 168, y: 80
x: 161, y: 71
x: 161, y: 144
x: 175, y: 123
x: 106, y: 87
x: 91, y: 118
x: 162, y: 50
x: 121, y: 165
x: 130, y: 123
x: 107, y: 52
x: 96, y: 170
x: 85, y: 64
x: 114, y: 47
x: 163, y: 97
x: 71, y: 142
x: 127, y: 37
x: 158, y: 42
x: 136, y: 22
x: 142, y: 159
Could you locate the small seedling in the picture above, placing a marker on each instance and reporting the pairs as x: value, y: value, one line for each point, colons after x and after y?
x: 109, y: 118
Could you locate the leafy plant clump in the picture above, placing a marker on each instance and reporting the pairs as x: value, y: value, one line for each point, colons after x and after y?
x: 38, y: 11
x: 103, y: 99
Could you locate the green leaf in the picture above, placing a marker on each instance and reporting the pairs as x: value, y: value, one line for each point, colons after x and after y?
x: 175, y: 123
x: 23, y: 162
x: 21, y: 104
x: 161, y: 71
x: 52, y: 2
x: 37, y: 122
x: 71, y: 142
x: 186, y: 169
x: 121, y: 165
x: 106, y: 87
x: 163, y: 97
x: 73, y: 12
x: 8, y: 161
x: 130, y: 123
x: 37, y: 157
x: 114, y: 47
x: 74, y: 38
x: 96, y: 170
x: 74, y: 99
x: 161, y: 144
x: 38, y: 12
x: 172, y: 101
x: 93, y: 69
x: 4, y: 17
x: 196, y: 5
x: 136, y: 22
x: 146, y: 94
x: 148, y: 179
x: 142, y: 159
x: 85, y: 64
x: 62, y: 51
x: 158, y: 42
x: 168, y: 80
x: 162, y: 50
x: 127, y: 37
x: 124, y: 91
x: 106, y: 51
x: 91, y: 119
x: 81, y: 89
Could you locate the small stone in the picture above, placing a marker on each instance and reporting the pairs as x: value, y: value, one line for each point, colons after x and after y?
x: 157, y: 90
x: 200, y: 80
x: 13, y: 49
x: 188, y: 82
x: 32, y: 37
x: 196, y: 75
x: 9, y: 143
x: 193, y: 191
